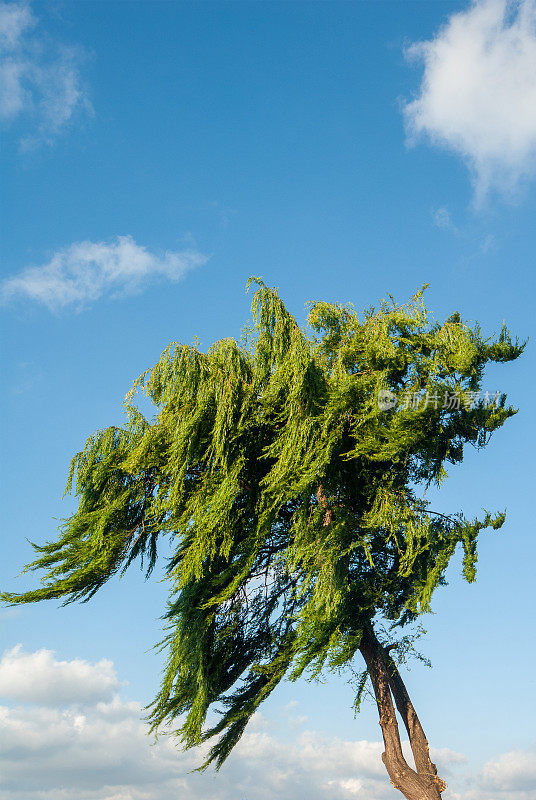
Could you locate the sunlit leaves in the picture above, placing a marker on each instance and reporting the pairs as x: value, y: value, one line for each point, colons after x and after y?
x: 290, y: 497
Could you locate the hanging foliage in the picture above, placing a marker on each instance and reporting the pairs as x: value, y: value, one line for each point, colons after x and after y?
x: 288, y: 472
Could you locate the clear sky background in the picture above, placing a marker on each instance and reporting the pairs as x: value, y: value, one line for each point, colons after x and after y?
x: 157, y: 154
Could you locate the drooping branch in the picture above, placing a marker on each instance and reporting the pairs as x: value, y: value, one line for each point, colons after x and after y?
x: 289, y: 496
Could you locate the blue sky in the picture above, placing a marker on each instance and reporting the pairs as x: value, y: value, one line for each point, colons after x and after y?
x: 157, y: 154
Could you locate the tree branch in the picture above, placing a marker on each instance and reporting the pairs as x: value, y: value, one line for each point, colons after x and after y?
x: 423, y: 784
x: 323, y: 503
x: 393, y: 757
x: 416, y: 734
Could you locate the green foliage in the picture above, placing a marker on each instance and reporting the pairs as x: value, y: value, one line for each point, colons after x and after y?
x: 291, y: 500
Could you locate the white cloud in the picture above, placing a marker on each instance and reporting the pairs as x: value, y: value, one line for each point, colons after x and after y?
x: 85, y: 271
x: 511, y: 772
x: 40, y: 79
x: 39, y: 678
x: 77, y: 743
x: 511, y: 776
x: 15, y: 19
x: 97, y: 747
x: 443, y: 220
x: 105, y: 753
x: 293, y: 718
x: 478, y: 93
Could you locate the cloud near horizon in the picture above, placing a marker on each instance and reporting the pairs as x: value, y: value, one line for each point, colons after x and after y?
x: 86, y: 271
x: 40, y: 79
x: 478, y: 93
x: 40, y: 678
x: 95, y: 747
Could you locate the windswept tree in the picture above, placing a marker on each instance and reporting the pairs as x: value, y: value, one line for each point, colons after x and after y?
x: 287, y: 472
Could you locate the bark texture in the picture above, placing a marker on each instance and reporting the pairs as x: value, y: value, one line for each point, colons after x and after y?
x: 421, y: 783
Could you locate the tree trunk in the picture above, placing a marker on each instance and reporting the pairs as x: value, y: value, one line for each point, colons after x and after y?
x: 421, y: 783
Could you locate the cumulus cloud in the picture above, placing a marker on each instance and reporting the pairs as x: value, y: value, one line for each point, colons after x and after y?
x: 511, y: 772
x: 85, y: 271
x: 104, y: 753
x: 40, y: 79
x: 478, y: 93
x: 39, y: 678
x: 79, y: 740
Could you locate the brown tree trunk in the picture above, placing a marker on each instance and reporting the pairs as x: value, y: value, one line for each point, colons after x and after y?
x: 323, y: 503
x: 421, y: 783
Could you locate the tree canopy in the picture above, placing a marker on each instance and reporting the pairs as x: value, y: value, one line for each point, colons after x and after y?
x: 287, y: 471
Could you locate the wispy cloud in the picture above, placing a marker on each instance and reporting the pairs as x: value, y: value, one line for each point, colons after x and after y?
x: 443, y: 219
x: 477, y: 242
x: 40, y: 80
x: 86, y: 271
x: 478, y: 93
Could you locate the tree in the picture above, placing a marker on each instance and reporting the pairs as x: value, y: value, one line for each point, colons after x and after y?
x: 287, y: 472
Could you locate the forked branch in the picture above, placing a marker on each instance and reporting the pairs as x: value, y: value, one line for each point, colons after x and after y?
x: 422, y: 783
